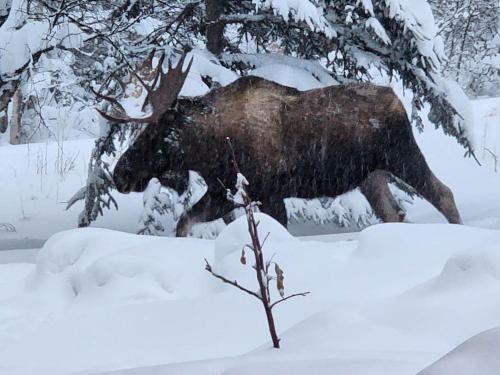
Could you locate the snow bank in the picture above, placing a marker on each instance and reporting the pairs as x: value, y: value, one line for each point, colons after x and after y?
x: 477, y: 355
x: 98, y: 266
x: 235, y: 236
x: 391, y: 303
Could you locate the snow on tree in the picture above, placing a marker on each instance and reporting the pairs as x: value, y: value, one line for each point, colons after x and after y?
x: 96, y: 194
x: 330, y: 41
x: 25, y: 36
x: 347, y: 37
x: 163, y: 208
x: 158, y: 208
x: 470, y: 30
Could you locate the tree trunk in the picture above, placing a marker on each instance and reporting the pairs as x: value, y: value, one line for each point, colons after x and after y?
x: 15, y: 122
x: 271, y: 325
x: 7, y: 89
x: 4, y: 122
x: 215, y: 28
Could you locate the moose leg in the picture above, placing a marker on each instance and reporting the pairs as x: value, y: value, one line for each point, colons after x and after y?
x: 195, y: 214
x: 440, y: 196
x: 376, y: 190
x: 209, y: 207
x: 275, y: 207
x: 414, y: 170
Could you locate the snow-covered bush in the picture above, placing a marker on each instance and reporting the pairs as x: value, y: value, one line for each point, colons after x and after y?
x: 158, y: 217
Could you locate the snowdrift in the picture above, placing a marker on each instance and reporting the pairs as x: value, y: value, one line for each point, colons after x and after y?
x: 478, y: 355
x: 104, y: 302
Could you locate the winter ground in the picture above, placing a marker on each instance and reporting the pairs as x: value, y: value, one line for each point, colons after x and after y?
x: 392, y: 302
x: 392, y: 299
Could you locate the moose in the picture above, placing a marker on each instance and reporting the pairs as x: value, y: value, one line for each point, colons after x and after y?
x: 288, y: 143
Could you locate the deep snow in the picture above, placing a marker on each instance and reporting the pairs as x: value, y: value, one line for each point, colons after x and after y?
x: 392, y: 302
x: 477, y: 355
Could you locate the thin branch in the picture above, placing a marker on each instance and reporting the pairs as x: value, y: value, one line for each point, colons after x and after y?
x: 208, y: 267
x: 109, y: 99
x: 265, y: 239
x: 233, y: 156
x: 303, y: 294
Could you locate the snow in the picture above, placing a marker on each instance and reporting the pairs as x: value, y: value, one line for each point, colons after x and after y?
x: 313, y: 68
x: 374, y: 24
x: 487, y: 131
x: 393, y: 299
x: 298, y: 10
x: 97, y: 266
x: 392, y: 302
x: 20, y: 39
x: 477, y: 355
x: 288, y: 76
x: 13, y: 57
x: 205, y: 64
x: 36, y: 181
x: 367, y: 5
x: 418, y: 18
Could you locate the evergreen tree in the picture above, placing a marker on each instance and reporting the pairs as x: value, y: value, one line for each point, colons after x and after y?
x: 346, y: 36
x: 96, y: 194
x: 470, y: 30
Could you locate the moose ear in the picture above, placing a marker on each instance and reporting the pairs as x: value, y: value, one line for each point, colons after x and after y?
x: 161, y: 98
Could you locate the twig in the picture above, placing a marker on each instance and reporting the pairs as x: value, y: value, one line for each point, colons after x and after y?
x: 208, y: 267
x: 303, y: 294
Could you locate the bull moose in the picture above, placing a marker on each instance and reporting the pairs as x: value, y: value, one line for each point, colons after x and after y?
x: 288, y: 143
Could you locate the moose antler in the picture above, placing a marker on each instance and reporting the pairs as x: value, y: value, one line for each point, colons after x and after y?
x: 160, y: 98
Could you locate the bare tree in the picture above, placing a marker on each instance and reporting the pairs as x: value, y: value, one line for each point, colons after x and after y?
x: 263, y: 268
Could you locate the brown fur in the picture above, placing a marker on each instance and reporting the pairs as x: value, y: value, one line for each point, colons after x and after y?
x: 321, y: 142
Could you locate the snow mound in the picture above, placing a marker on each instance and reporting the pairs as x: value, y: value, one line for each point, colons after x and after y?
x: 235, y: 236
x: 97, y: 265
x: 464, y: 271
x: 440, y: 239
x: 476, y: 356
x: 397, y: 300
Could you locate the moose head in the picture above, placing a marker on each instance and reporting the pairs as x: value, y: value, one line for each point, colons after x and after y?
x: 142, y: 160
